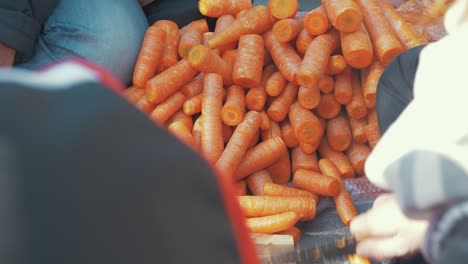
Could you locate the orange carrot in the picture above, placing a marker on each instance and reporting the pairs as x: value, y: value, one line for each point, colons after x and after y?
x: 372, y: 116
x: 233, y: 110
x: 339, y: 133
x: 357, y: 48
x: 200, y: 25
x: 284, y: 56
x: 261, y: 156
x: 344, y: 203
x: 166, y: 83
x: 280, y: 106
x: 275, y: 84
x: 179, y: 130
x: 316, y: 183
x: 306, y: 125
x: 222, y: 23
x: 357, y: 155
x: 344, y: 87
x: 230, y: 56
x: 218, y: 8
x: 287, y: 132
x: 303, y: 41
x: 189, y: 39
x: 316, y: 21
x: 165, y: 110
x: 282, y: 9
x: 241, y: 187
x: 315, y: 62
x: 336, y: 64
x: 309, y: 98
x: 193, y: 105
x: 205, y: 60
x: 255, y: 139
x: 180, y: 116
x: 170, y: 56
x: 247, y: 70
x: 239, y: 142
x: 326, y: 84
x: 273, y: 189
x: 370, y: 79
x: 145, y: 106
x: 355, y: 259
x: 256, y: 20
x: 272, y: 223
x: 372, y: 128
x: 196, y: 133
x: 280, y: 170
x: 256, y: 97
x: 149, y: 57
x: 344, y: 15
x: 257, y: 181
x: 286, y: 30
x: 383, y: 37
x: 254, y: 206
x: 206, y: 36
x: 193, y: 87
x: 328, y: 107
x: 294, y: 232
x: 212, y: 145
x: 227, y: 133
x: 265, y: 121
x: 304, y: 161
x: 357, y: 130
x: 308, y: 148
x: 339, y: 159
x: 357, y: 107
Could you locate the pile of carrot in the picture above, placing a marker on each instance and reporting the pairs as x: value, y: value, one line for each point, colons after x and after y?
x: 281, y: 103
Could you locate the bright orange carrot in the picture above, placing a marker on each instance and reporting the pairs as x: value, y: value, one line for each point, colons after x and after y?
x: 256, y: 20
x: 285, y: 57
x: 247, y: 71
x: 212, y: 145
x: 233, y: 110
x: 383, y: 37
x: 287, y: 132
x: 280, y: 170
x: 282, y: 9
x: 316, y: 21
x: 308, y: 148
x: 309, y: 98
x: 149, y: 57
x: 257, y: 181
x: 304, y: 161
x: 357, y: 48
x: 357, y: 107
x: 275, y: 84
x: 227, y: 133
x: 357, y: 130
x: 218, y: 8
x: 180, y: 116
x: 357, y: 155
x: 145, y: 106
x: 254, y: 206
x: 369, y: 80
x: 372, y: 128
x: 200, y: 25
x: 165, y: 110
x: 179, y: 130
x: 286, y: 30
x: 328, y: 107
x: 170, y: 56
x: 273, y: 189
x: 316, y: 183
x: 196, y: 133
x: 261, y: 156
x: 166, y: 83
x: 344, y: 203
x: 280, y: 106
x: 222, y: 23
x: 241, y: 187
x: 336, y: 64
x: 188, y: 40
x: 294, y: 232
x: 315, y: 62
x: 303, y: 41
x: 193, y: 105
x: 265, y: 121
x: 205, y: 60
x: 230, y: 56
x: 344, y: 87
x: 339, y: 159
x: 306, y: 125
x: 345, y: 15
x: 339, y: 133
x: 256, y: 97
x: 326, y: 84
x: 193, y: 87
x: 239, y: 143
x: 272, y: 223
x: 355, y: 259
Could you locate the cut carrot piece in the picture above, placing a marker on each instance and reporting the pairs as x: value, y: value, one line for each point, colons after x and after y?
x: 179, y: 130
x: 254, y: 206
x: 247, y: 71
x: 180, y: 116
x: 273, y: 189
x: 233, y: 110
x: 188, y: 40
x: 357, y: 48
x: 170, y: 56
x: 309, y: 98
x: 200, y: 25
x: 287, y: 132
x: 308, y: 148
x: 218, y: 8
x: 336, y: 64
x: 306, y: 125
x: 165, y: 110
x: 339, y: 133
x: 282, y: 9
x: 286, y: 30
x: 315, y: 182
x: 294, y: 232
x: 227, y: 133
x: 280, y: 170
x: 304, y: 161
x: 193, y: 105
x: 339, y: 159
x: 344, y: 15
x: 241, y: 187
x: 357, y: 107
x: 144, y: 105
x: 222, y: 23
x: 196, y: 133
x: 257, y: 181
x: 328, y: 107
x: 316, y: 21
x: 357, y: 155
x: 194, y: 87
x: 272, y: 223
x: 265, y: 121
x: 275, y: 84
x: 344, y: 87
x: 207, y: 61
x: 370, y: 79
x: 372, y: 128
x: 326, y: 84
x: 256, y: 97
x: 280, y: 106
x: 303, y: 41
x: 357, y: 130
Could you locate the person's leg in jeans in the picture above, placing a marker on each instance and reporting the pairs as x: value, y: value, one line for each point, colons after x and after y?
x: 106, y: 32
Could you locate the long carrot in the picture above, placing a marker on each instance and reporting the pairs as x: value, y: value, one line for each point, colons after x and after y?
x: 336, y: 64
x: 339, y: 133
x: 239, y: 142
x: 303, y: 41
x: 144, y: 105
x: 170, y: 56
x: 166, y: 83
x: 344, y: 15
x: 370, y: 79
x: 326, y: 84
x: 179, y: 130
x: 282, y: 9
x: 338, y: 158
x: 316, y: 183
x: 254, y: 206
x: 306, y: 125
x: 357, y: 130
x: 256, y: 97
x: 357, y: 48
x: 344, y: 203
x: 222, y: 23
x: 205, y: 60
x: 256, y: 20
x: 273, y: 189
x: 185, y: 119
x: 257, y: 181
x: 165, y: 110
x: 149, y: 57
x: 280, y: 106
x: 328, y: 107
x: 309, y: 98
x: 285, y: 57
x: 266, y: 124
x: 294, y: 232
x: 280, y: 170
x: 233, y: 110
x: 316, y: 21
x: 193, y: 105
x: 287, y: 132
x: 247, y: 70
x: 315, y: 62
x: 193, y: 87
x: 241, y: 187
x: 272, y: 223
x: 200, y: 25
x: 196, y: 133
x: 344, y: 87
x: 255, y: 139
x: 357, y: 155
x: 286, y: 30
x: 304, y: 161
x: 275, y: 84
x: 386, y: 44
x: 261, y: 156
x: 218, y: 8
x: 212, y: 145
x: 356, y: 108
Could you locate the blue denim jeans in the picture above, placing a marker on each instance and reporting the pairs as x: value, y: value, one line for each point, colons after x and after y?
x: 106, y: 32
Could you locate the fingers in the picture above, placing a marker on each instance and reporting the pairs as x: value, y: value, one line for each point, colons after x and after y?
x: 373, y: 223
x: 382, y: 248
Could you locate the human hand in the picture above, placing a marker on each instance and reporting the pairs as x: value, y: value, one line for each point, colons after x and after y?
x: 7, y: 56
x: 385, y: 232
